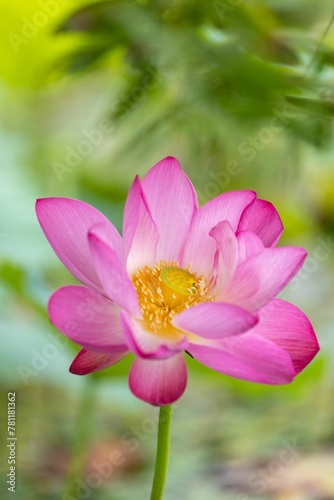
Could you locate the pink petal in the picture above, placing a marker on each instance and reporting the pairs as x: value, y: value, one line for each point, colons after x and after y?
x: 140, y: 234
x: 112, y: 274
x: 248, y: 244
x: 287, y: 326
x: 150, y: 345
x: 247, y: 357
x: 199, y: 250
x: 87, y: 318
x: 172, y: 201
x: 158, y: 382
x: 88, y: 362
x: 214, y: 320
x: 226, y: 257
x: 262, y: 218
x: 65, y: 223
x: 262, y: 276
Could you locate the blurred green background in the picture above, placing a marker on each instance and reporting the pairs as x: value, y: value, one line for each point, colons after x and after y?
x: 94, y: 92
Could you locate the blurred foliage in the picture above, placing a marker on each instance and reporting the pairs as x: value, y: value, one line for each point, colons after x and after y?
x: 218, y: 61
x: 94, y: 92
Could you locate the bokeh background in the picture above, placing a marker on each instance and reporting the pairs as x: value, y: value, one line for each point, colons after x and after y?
x: 94, y: 92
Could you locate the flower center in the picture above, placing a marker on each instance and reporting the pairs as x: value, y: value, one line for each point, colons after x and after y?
x: 165, y: 290
x: 177, y: 284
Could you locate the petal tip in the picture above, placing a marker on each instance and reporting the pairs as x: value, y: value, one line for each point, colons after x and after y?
x: 38, y: 204
x: 169, y: 161
x: 171, y: 158
x: 72, y: 369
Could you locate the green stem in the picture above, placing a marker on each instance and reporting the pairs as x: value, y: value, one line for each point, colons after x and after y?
x: 162, y: 458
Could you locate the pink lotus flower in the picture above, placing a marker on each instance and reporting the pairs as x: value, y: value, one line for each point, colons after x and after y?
x: 180, y: 279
